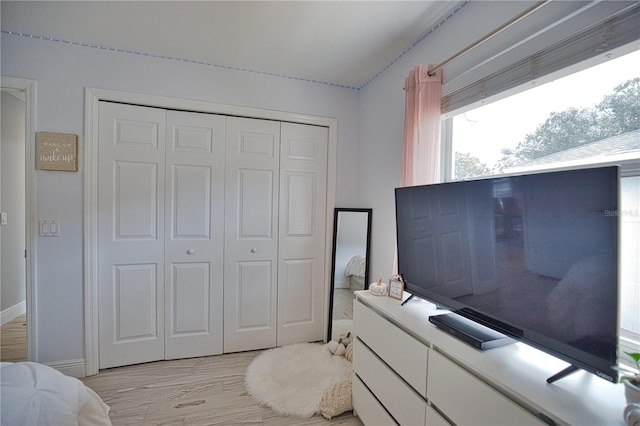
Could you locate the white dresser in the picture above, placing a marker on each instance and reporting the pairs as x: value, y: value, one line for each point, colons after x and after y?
x: 408, y: 372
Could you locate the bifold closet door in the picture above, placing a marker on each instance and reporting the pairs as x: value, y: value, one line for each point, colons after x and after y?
x: 131, y: 234
x: 275, y: 233
x: 251, y: 235
x: 194, y: 234
x: 301, y: 242
x: 211, y: 233
x: 160, y: 227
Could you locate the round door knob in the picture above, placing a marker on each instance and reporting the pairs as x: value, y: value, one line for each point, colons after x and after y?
x: 191, y: 251
x: 254, y: 250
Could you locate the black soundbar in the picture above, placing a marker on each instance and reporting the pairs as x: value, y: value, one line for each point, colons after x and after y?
x: 470, y: 332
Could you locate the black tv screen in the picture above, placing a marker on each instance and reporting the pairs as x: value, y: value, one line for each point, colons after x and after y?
x: 532, y: 256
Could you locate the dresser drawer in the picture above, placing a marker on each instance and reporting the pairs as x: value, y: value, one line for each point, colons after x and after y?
x: 367, y: 407
x: 435, y: 419
x: 451, y: 387
x: 403, y: 353
x: 402, y: 402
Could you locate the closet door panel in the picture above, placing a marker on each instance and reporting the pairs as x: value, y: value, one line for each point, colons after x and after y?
x: 191, y: 207
x: 302, y: 218
x: 251, y: 238
x: 255, y: 189
x: 190, y: 294
x: 298, y: 307
x: 195, y: 171
x: 135, y: 206
x: 135, y: 302
x: 254, y: 287
x: 131, y: 234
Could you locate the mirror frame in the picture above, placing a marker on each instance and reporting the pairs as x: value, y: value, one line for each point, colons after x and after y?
x: 336, y: 212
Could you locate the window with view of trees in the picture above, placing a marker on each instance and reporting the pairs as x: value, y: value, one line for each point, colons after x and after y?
x: 616, y: 112
x: 590, y: 117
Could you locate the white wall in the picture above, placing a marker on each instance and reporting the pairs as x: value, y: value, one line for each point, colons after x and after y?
x: 12, y: 289
x: 62, y: 72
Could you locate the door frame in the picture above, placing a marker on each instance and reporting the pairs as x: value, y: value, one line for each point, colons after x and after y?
x: 92, y: 98
x: 31, y: 224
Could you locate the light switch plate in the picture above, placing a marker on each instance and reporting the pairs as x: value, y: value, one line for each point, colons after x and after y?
x: 3, y: 218
x: 49, y: 228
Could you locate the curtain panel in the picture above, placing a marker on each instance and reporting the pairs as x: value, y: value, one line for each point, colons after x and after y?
x: 421, y: 140
x: 421, y: 146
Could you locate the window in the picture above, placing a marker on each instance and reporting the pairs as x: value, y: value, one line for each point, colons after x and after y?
x: 592, y: 116
x: 589, y: 117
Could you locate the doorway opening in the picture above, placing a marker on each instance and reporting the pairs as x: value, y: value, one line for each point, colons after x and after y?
x: 17, y: 204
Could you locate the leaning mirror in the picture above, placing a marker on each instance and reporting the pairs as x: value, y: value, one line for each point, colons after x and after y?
x: 350, y: 266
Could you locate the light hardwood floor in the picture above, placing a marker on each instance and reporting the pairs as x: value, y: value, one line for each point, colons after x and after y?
x: 343, y: 303
x: 196, y: 391
x: 13, y: 340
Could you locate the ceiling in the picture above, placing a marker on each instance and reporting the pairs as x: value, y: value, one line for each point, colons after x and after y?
x: 340, y: 43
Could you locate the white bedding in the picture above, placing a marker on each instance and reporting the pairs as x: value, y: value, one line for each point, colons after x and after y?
x: 36, y: 394
x: 355, y: 266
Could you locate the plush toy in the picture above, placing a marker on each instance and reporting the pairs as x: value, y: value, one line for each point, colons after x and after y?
x: 345, y: 339
x: 339, y: 347
x: 336, y: 348
x: 349, y: 352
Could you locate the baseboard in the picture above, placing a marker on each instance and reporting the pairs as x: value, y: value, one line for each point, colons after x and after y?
x: 341, y: 284
x: 13, y: 312
x: 72, y: 367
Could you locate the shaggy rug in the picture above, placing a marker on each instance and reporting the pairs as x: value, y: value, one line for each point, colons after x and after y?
x: 292, y: 379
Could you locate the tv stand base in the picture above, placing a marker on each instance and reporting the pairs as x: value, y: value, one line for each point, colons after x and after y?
x: 570, y: 369
x: 407, y: 299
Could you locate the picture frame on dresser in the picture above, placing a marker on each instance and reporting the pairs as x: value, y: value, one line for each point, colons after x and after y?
x: 396, y: 289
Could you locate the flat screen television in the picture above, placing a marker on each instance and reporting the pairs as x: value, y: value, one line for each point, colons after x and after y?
x: 533, y: 257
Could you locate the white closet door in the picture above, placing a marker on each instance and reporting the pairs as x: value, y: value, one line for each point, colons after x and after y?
x: 251, y: 234
x: 161, y: 234
x: 131, y: 234
x: 303, y: 201
x: 194, y: 229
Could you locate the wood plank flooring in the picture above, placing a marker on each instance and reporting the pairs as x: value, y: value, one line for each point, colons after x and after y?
x: 196, y: 391
x: 343, y: 303
x: 13, y: 340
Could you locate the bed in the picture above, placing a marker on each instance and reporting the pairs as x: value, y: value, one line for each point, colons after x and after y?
x: 354, y: 272
x: 36, y: 394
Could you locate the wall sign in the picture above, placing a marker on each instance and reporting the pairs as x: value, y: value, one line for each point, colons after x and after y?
x: 58, y: 151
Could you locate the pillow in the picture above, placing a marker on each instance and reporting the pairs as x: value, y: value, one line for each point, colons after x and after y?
x: 348, y: 354
x: 337, y: 399
x: 36, y: 394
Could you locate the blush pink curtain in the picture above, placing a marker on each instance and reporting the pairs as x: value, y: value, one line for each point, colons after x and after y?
x: 421, y: 140
x: 421, y: 147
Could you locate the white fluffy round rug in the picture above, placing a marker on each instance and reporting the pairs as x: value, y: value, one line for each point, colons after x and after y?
x: 292, y: 379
